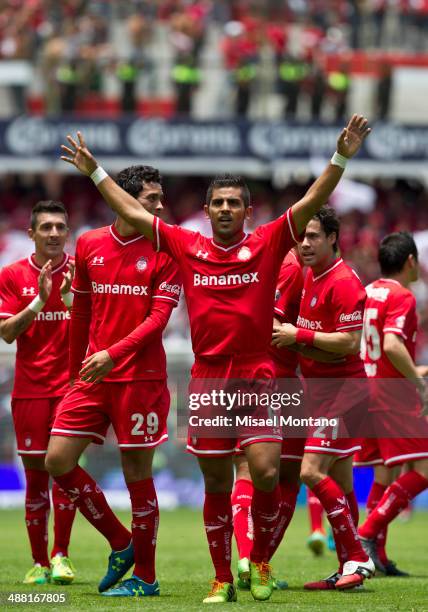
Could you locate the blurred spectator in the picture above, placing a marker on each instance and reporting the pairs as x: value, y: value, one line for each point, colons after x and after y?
x: 384, y: 92
x: 339, y: 82
x: 292, y: 71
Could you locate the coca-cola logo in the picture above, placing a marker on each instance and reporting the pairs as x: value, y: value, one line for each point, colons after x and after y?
x: 352, y: 316
x: 170, y: 288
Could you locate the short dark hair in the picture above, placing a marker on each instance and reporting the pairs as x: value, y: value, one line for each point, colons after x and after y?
x: 329, y: 222
x: 229, y: 180
x: 132, y: 179
x: 47, y: 206
x: 394, y: 251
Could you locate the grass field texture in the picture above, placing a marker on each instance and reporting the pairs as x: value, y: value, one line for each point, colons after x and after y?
x: 184, y: 569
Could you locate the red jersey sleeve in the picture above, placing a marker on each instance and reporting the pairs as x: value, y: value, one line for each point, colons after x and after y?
x: 281, y: 234
x: 167, y: 282
x: 401, y: 311
x: 169, y: 238
x: 348, y: 299
x: 152, y: 326
x: 10, y: 303
x: 81, y: 282
x: 289, y: 287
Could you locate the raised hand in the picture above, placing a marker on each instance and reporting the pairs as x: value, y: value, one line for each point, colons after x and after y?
x: 45, y: 281
x: 96, y: 366
x: 67, y: 279
x: 79, y: 155
x: 352, y: 137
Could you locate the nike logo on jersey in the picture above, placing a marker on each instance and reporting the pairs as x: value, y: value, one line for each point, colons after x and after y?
x: 225, y: 279
x: 119, y: 289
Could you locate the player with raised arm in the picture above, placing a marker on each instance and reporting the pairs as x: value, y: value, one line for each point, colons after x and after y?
x: 34, y: 310
x: 124, y: 294
x: 229, y: 282
x: 331, y: 319
x: 398, y: 390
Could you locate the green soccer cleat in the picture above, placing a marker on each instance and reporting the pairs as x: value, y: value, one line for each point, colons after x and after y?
x: 37, y: 575
x: 221, y: 592
x: 134, y: 587
x: 279, y: 585
x: 119, y: 562
x: 62, y: 570
x: 317, y: 542
x: 261, y: 581
x: 244, y: 574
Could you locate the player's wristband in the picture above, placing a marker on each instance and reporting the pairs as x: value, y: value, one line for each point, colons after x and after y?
x: 37, y: 304
x: 305, y: 336
x: 339, y: 160
x: 98, y: 175
x: 67, y: 299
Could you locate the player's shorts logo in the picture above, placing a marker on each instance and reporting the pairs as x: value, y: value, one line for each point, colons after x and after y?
x: 141, y: 264
x: 277, y: 295
x: 244, y: 253
x: 313, y: 301
x: 27, y: 442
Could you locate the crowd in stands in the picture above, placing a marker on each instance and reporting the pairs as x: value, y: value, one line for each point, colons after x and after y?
x: 397, y: 205
x: 146, y: 47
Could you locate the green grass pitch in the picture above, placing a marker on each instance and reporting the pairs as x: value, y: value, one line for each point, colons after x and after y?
x: 184, y: 569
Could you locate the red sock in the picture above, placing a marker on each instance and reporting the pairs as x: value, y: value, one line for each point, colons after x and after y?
x: 37, y: 506
x: 265, y: 510
x: 219, y: 529
x: 315, y: 512
x: 375, y: 495
x: 334, y: 502
x: 64, y: 513
x: 395, y: 498
x: 242, y: 495
x: 88, y: 497
x: 289, y: 493
x: 353, y: 507
x: 145, y: 521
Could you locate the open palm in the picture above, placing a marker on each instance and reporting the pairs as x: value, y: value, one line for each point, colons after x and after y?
x: 79, y: 155
x: 352, y: 137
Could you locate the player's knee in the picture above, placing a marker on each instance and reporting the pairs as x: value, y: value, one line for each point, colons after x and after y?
x: 56, y: 463
x: 309, y: 475
x: 266, y: 477
x: 422, y: 467
x: 217, y: 483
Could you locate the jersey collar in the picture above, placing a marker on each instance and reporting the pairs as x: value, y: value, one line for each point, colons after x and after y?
x: 232, y: 246
x: 332, y: 267
x: 33, y: 263
x: 390, y: 280
x: 124, y: 240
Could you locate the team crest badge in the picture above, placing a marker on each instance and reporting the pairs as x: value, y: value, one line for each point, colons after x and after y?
x: 313, y: 301
x: 141, y: 264
x: 244, y: 253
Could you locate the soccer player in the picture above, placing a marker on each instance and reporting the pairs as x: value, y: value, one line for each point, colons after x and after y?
x: 229, y: 282
x: 398, y: 390
x: 124, y: 294
x: 332, y: 304
x: 287, y: 300
x: 34, y: 310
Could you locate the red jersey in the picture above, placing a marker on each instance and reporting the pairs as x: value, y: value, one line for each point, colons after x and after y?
x: 123, y: 277
x: 230, y: 290
x: 287, y: 304
x: 390, y: 308
x: 41, y: 369
x: 332, y: 301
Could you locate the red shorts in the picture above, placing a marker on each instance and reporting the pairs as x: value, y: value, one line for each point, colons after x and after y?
x: 391, y: 451
x: 340, y: 447
x: 138, y: 412
x: 33, y: 420
x: 250, y: 367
